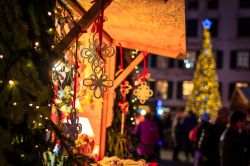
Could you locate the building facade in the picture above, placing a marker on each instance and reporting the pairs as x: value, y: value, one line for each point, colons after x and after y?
x: 231, y: 44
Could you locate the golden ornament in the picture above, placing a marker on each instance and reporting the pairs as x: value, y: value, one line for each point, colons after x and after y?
x: 143, y: 92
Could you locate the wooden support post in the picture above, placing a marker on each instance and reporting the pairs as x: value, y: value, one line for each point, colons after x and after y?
x: 82, y: 25
x: 108, y: 102
x: 128, y: 70
x: 81, y: 11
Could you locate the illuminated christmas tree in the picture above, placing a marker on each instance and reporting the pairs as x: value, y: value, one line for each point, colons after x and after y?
x: 205, y: 96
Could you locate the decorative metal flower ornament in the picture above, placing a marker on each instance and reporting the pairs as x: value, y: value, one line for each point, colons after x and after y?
x: 98, y: 83
x: 143, y: 92
x: 72, y: 127
x: 94, y: 55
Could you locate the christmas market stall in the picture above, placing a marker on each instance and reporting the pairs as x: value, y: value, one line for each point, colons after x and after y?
x: 65, y: 75
x: 240, y: 100
x: 85, y: 77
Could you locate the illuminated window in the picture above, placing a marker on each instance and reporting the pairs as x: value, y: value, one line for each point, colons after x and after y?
x: 190, y: 61
x: 162, y: 89
x: 242, y: 60
x: 187, y: 88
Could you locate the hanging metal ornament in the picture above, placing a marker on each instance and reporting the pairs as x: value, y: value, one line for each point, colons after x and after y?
x: 99, y: 83
x: 125, y: 87
x: 143, y: 92
x: 94, y: 55
x: 72, y: 127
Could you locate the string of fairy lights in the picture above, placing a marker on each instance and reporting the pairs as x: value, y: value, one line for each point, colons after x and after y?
x: 12, y: 83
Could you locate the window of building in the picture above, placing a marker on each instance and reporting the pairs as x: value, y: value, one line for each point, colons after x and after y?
x: 219, y: 59
x: 243, y: 27
x: 244, y: 4
x: 214, y: 27
x: 153, y: 61
x: 240, y: 60
x: 212, y: 4
x: 162, y: 89
x: 192, y: 27
x: 192, y: 4
x: 189, y: 63
x: 187, y: 88
x: 162, y: 62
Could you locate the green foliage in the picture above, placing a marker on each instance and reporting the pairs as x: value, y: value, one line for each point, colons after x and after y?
x: 24, y: 76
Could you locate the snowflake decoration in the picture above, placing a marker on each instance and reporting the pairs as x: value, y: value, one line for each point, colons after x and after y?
x: 92, y: 54
x: 98, y: 83
x: 124, y: 88
x: 143, y: 92
x: 72, y: 127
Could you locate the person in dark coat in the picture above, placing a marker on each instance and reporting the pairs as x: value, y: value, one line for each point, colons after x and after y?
x: 232, y: 150
x: 178, y: 137
x: 215, y: 131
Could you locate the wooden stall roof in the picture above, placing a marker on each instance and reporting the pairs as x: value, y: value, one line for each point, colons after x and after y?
x: 240, y: 99
x: 156, y: 26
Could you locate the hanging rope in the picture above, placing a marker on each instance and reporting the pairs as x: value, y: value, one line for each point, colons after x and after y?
x: 76, y: 74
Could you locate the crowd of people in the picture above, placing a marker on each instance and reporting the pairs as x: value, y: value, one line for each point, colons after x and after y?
x: 223, y: 141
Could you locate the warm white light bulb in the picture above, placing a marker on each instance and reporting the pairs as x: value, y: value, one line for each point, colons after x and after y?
x: 11, y: 82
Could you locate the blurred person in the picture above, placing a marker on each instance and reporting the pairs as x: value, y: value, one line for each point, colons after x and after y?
x: 232, y: 149
x: 201, y: 143
x: 177, y: 136
x: 213, y: 138
x: 166, y: 122
x: 148, y: 134
x: 189, y: 122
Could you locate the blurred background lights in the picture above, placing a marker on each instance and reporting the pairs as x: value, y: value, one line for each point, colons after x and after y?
x: 11, y: 82
x: 143, y: 112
